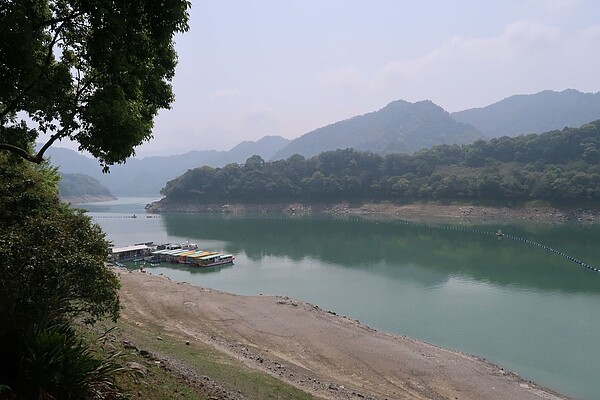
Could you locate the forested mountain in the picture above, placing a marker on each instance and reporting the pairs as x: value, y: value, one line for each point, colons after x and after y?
x: 533, y: 113
x: 555, y: 166
x: 146, y: 176
x: 81, y: 187
x: 398, y: 127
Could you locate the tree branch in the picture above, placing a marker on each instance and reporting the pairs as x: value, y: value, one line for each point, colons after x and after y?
x: 53, y: 21
x: 11, y: 107
x: 37, y: 158
x: 40, y: 154
x: 20, y: 152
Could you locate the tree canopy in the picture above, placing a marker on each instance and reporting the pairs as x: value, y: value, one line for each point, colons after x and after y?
x: 52, y: 267
x: 554, y: 166
x: 92, y: 71
x: 95, y: 72
x: 51, y: 256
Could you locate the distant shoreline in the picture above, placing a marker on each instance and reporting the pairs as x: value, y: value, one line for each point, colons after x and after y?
x: 88, y: 198
x: 450, y: 212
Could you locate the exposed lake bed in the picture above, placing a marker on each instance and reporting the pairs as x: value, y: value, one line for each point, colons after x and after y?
x: 330, y: 356
x: 518, y: 305
x: 436, y: 211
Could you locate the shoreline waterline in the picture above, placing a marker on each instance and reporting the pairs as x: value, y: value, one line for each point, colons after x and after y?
x: 412, y: 211
x: 314, y: 344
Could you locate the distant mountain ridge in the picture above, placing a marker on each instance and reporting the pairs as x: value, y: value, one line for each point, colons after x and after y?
x: 399, y: 127
x: 533, y: 113
x: 146, y: 176
x: 555, y: 166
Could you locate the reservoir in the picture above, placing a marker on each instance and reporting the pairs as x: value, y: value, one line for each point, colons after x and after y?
x: 518, y: 301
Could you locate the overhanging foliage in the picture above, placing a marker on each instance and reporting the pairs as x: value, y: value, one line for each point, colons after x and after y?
x: 92, y: 71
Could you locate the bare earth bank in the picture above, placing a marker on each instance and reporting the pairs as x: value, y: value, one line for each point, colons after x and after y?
x: 418, y: 211
x: 331, y: 356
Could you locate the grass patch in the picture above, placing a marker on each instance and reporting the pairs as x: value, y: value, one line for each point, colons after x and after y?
x: 159, y: 383
x: 155, y: 383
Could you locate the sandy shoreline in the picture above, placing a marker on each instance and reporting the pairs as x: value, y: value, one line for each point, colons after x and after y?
x: 331, y: 356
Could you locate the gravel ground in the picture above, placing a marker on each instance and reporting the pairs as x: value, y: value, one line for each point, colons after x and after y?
x: 328, y: 355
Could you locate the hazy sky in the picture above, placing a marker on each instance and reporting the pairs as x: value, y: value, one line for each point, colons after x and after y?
x: 253, y: 68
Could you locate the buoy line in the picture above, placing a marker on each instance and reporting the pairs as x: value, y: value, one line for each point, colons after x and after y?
x: 431, y: 226
x: 504, y: 235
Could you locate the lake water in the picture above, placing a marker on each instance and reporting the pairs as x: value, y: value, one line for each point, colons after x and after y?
x: 516, y: 304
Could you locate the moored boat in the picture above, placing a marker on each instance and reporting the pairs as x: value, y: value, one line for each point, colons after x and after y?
x: 184, y: 253
x: 215, y: 259
x: 176, y: 246
x: 128, y: 253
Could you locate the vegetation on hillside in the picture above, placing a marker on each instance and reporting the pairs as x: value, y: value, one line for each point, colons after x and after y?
x: 398, y: 127
x: 79, y: 185
x: 95, y: 72
x: 53, y: 273
x: 555, y: 166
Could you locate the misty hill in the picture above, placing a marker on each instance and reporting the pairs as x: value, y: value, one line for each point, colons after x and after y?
x: 146, y: 176
x: 142, y: 177
x: 533, y: 113
x: 77, y: 188
x: 266, y: 147
x: 134, y: 178
x: 399, y: 127
x: 71, y: 162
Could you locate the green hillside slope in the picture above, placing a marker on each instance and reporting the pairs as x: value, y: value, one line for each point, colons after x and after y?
x: 557, y: 166
x: 398, y: 127
x: 536, y: 113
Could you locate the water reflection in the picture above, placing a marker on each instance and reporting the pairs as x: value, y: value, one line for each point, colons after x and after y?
x: 388, y: 247
x: 170, y: 267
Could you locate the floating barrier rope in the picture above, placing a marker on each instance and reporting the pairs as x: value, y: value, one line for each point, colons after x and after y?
x: 504, y: 235
x: 445, y: 227
x: 553, y: 250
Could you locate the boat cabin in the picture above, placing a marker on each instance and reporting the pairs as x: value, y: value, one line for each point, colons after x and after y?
x: 214, y: 259
x: 129, y: 253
